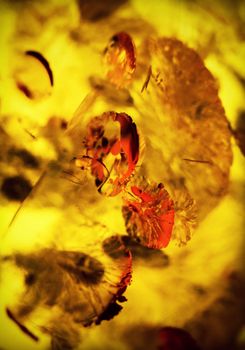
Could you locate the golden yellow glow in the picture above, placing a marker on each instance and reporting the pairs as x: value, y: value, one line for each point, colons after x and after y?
x: 59, y: 212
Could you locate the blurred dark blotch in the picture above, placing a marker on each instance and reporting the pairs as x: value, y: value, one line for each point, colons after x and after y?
x: 111, y: 311
x: 115, y: 247
x: 24, y: 88
x: 30, y: 279
x: 16, y: 187
x: 199, y: 290
x: 217, y: 326
x: 54, y: 277
x: 27, y: 158
x: 172, y: 338
x: 239, y: 132
x: 18, y: 4
x: 146, y: 336
x: 94, y: 10
x: 61, y: 342
x: 64, y: 336
x: 150, y: 257
x: 112, y: 95
x: 82, y: 267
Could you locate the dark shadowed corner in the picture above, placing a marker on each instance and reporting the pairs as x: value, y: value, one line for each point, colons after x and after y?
x: 94, y: 10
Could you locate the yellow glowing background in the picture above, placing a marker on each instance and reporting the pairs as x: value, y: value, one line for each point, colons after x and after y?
x: 202, y: 288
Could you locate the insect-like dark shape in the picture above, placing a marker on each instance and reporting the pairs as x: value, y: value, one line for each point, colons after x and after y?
x: 33, y: 75
x: 149, y: 216
x: 84, y: 288
x: 112, y: 150
x: 121, y: 59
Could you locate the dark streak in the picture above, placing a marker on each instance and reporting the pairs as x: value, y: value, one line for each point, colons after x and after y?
x: 145, y: 85
x: 22, y: 87
x: 199, y: 110
x: 129, y: 130
x: 134, y: 143
x: 21, y: 326
x: 29, y: 133
x: 21, y: 205
x: 198, y: 161
x: 239, y: 131
x: 44, y: 62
